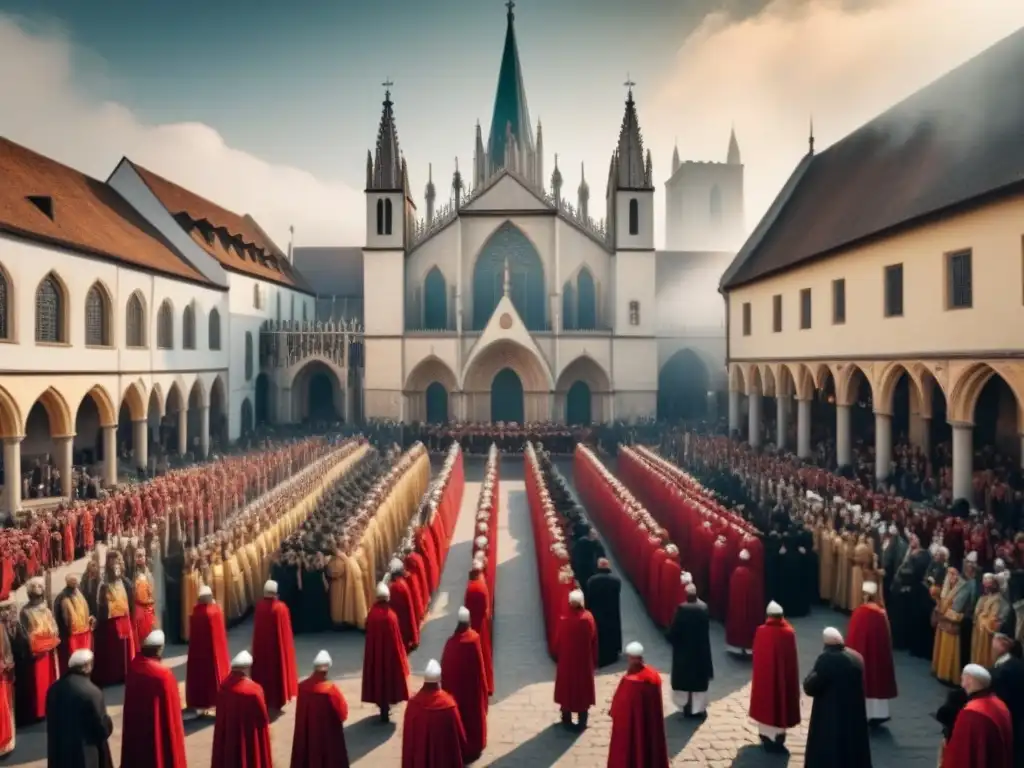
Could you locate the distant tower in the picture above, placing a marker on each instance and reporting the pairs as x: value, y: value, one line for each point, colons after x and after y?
x: 583, y: 195
x: 431, y: 194
x: 733, y: 158
x: 556, y: 184
x: 675, y: 157
x: 510, y: 141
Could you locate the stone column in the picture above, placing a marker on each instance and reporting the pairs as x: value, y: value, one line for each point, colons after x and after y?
x: 963, y: 462
x: 803, y: 429
x: 734, y: 410
x: 925, y: 435
x: 140, y: 443
x: 781, y: 421
x: 12, y: 476
x: 110, y: 455
x: 844, y: 446
x: 183, y: 431
x: 754, y: 419
x: 883, y: 445
x: 62, y: 448
x: 204, y: 431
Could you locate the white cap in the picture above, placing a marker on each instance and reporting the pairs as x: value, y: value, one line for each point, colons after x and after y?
x: 270, y: 588
x: 205, y: 591
x: 244, y: 659
x: 686, y: 578
x: 481, y: 541
x: 154, y: 639
x: 464, y: 616
x: 999, y: 564
x: 635, y: 650
x: 832, y: 636
x: 944, y: 551
x: 988, y: 577
x: 80, y: 658
x: 869, y: 588
x: 322, y: 659
x: 774, y: 609
x: 383, y: 593
x: 979, y: 673
x: 972, y: 557
x: 576, y: 598
x: 432, y: 674
x: 691, y: 589
x: 396, y: 565
x: 744, y: 555
x: 893, y: 530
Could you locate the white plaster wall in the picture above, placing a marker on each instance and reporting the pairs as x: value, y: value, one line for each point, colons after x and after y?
x: 572, y: 347
x: 383, y: 278
x: 644, y: 238
x: 397, y: 237
x: 506, y: 195
x: 635, y: 278
x: 689, y: 226
x: 710, y: 350
x: 383, y: 378
x: 635, y: 378
x: 692, y: 304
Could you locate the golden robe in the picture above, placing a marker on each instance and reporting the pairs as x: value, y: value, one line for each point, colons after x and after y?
x: 989, y: 613
x: 946, y: 664
x: 191, y: 581
x: 823, y: 545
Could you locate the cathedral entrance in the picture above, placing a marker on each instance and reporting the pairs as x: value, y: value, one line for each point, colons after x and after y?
x: 577, y: 404
x: 321, y: 398
x: 507, y: 397
x: 437, y: 403
x: 683, y: 388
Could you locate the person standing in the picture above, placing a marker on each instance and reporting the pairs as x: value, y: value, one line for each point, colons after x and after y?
x: 385, y: 664
x: 208, y: 663
x: 638, y: 718
x: 837, y: 735
x: 775, y: 689
x: 114, y: 639
x: 432, y: 732
x: 35, y: 655
x: 74, y: 621
x: 77, y: 723
x: 464, y: 677
x: 602, y: 595
x: 273, y: 650
x: 575, y: 690
x: 983, y: 732
x: 153, y: 730
x: 870, y: 636
x: 320, y: 715
x: 404, y: 606
x: 478, y: 600
x: 746, y: 596
x: 692, y: 666
x: 7, y: 725
x: 1008, y: 685
x: 241, y: 734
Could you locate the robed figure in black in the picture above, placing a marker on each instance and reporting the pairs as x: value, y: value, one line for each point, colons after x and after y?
x: 584, y: 553
x: 602, y: 598
x: 908, y: 594
x: 77, y: 723
x: 692, y: 666
x: 837, y: 735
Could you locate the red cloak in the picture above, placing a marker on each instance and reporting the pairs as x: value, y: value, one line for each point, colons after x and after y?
x: 114, y: 648
x: 982, y: 735
x: 241, y: 734
x: 425, y: 545
x: 433, y: 736
x: 651, y: 586
x: 417, y: 577
x: 385, y: 665
x: 718, y: 580
x: 638, y: 722
x: 577, y: 658
x: 869, y: 635
x: 746, y: 607
x: 33, y: 677
x: 143, y: 622
x: 405, y: 610
x: 208, y: 662
x: 464, y: 676
x: 670, y: 591
x: 478, y: 602
x: 153, y: 734
x: 69, y: 645
x: 273, y: 653
x: 319, y: 740
x: 6, y: 719
x: 775, y: 692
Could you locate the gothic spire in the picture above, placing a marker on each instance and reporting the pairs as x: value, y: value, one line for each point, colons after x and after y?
x: 675, y: 157
x: 583, y: 195
x: 387, y: 159
x: 810, y: 138
x: 510, y: 108
x: 632, y: 174
x: 556, y: 183
x: 733, y: 158
x: 431, y: 192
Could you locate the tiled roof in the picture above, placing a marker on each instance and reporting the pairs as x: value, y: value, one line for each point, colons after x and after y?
x: 236, y: 241
x: 947, y: 146
x: 82, y: 214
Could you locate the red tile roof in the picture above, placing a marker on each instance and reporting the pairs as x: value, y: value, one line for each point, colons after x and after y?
x: 88, y: 216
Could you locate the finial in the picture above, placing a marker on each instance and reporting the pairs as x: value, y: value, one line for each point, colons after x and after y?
x: 629, y: 86
x: 810, y: 139
x: 387, y: 88
x: 583, y: 174
x: 510, y: 5
x: 508, y: 276
x: 430, y: 173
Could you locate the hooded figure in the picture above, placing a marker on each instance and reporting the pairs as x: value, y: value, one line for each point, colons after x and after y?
x: 465, y: 678
x: 775, y: 684
x: 241, y: 734
x: 273, y: 645
x: 320, y: 714
x: 385, y: 664
x: 433, y: 736
x: 153, y: 731
x: 638, y: 721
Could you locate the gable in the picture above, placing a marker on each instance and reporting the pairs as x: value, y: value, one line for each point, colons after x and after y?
x: 506, y: 325
x: 506, y: 194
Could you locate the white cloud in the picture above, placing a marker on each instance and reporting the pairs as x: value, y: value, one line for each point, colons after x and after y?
x: 43, y: 108
x: 769, y: 73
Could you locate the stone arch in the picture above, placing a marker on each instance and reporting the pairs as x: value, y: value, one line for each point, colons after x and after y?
x: 429, y: 370
x: 800, y: 378
x: 62, y: 423
x: 175, y: 398
x: 852, y: 381
x: 586, y: 369
x: 535, y: 375
x: 968, y: 386
x: 104, y: 404
x: 197, y: 397
x: 157, y: 404
x: 737, y: 378
x: 509, y: 244
x: 683, y: 385
x: 218, y: 410
x: 888, y: 380
x: 247, y: 417
x: 755, y: 384
x: 822, y: 375
x: 12, y: 424
x: 767, y: 374
x: 315, y: 383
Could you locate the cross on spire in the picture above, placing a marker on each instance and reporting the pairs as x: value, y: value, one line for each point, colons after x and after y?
x: 510, y: 5
x: 629, y: 84
x: 387, y: 86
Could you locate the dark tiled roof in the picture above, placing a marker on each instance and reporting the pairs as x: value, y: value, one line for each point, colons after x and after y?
x: 948, y: 145
x: 88, y: 216
x: 234, y: 240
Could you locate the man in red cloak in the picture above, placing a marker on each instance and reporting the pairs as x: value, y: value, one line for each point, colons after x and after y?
x: 746, y: 596
x: 432, y: 733
x: 35, y: 655
x: 385, y: 664
x: 576, y: 649
x: 319, y: 740
x: 153, y: 733
x: 670, y: 589
x: 273, y: 650
x: 241, y: 734
x: 404, y: 606
x: 416, y: 572
x: 775, y: 692
x: 478, y: 601
x: 983, y: 731
x: 71, y: 611
x: 464, y: 677
x: 208, y: 661
x: 638, y: 718
x: 870, y: 636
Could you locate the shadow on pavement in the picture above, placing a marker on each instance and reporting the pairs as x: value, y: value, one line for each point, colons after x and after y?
x: 364, y: 736
x: 543, y: 749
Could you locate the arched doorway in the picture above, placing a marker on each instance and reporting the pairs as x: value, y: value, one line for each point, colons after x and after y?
x: 996, y: 424
x: 321, y: 398
x: 577, y: 404
x: 317, y: 394
x: 196, y: 401
x: 507, y: 397
x: 508, y: 246
x: 262, y: 399
x: 683, y: 384
x: 88, y: 444
x: 437, y: 403
x: 218, y: 414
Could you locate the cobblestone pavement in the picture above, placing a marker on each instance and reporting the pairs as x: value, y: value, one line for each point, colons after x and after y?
x: 522, y: 729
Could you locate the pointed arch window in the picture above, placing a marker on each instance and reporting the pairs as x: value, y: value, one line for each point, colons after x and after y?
x: 715, y: 205
x: 435, y: 301
x: 634, y: 313
x: 278, y: 308
x: 586, y: 301
x: 248, y: 356
x: 51, y: 327
x: 135, y: 322
x: 213, y: 331
x: 380, y: 216
x: 188, y: 327
x: 6, y: 310
x: 526, y: 279
x: 634, y: 216
x: 387, y: 217
x: 568, y: 307
x: 165, y: 326
x: 97, y: 317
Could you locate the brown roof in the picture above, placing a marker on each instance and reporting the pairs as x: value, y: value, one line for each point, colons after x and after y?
x: 236, y: 241
x: 952, y: 144
x: 88, y: 216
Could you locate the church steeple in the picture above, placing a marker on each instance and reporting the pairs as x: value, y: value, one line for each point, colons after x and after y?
x: 510, y: 118
x: 387, y: 159
x: 431, y: 193
x: 633, y: 173
x: 583, y: 195
x: 733, y: 158
x: 675, y: 157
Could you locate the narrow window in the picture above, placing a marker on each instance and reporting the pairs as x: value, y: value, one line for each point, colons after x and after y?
x: 165, y: 326
x: 634, y: 216
x: 135, y: 322
x: 50, y: 311
x: 188, y: 328
x: 805, y: 308
x: 380, y: 217
x: 5, y: 306
x: 387, y: 217
x: 839, y: 301
x: 634, y: 313
x: 213, y: 332
x: 958, y: 279
x: 746, y: 318
x: 97, y: 318
x: 248, y: 355
x: 777, y: 313
x: 894, y: 290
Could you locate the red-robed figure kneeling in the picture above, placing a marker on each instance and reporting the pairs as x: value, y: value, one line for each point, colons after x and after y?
x: 638, y: 718
x: 153, y: 731
x: 241, y: 735
x: 433, y: 736
x: 273, y: 650
x: 463, y: 676
x: 385, y: 664
x: 319, y: 739
x: 208, y: 661
x: 775, y: 689
x: 576, y: 648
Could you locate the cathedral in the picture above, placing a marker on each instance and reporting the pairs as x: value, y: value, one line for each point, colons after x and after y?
x: 510, y: 303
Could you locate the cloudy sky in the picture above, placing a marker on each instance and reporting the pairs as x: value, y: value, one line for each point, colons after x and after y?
x: 269, y: 108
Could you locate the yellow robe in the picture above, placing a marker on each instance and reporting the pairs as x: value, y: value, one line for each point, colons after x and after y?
x: 825, y: 557
x: 946, y: 664
x: 190, y: 585
x: 989, y: 613
x: 220, y: 593
x: 863, y: 557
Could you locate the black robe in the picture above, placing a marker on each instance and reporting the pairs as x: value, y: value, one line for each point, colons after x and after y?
x: 77, y: 724
x: 692, y: 666
x: 603, y: 602
x: 837, y: 734
x: 583, y: 559
x: 1008, y: 685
